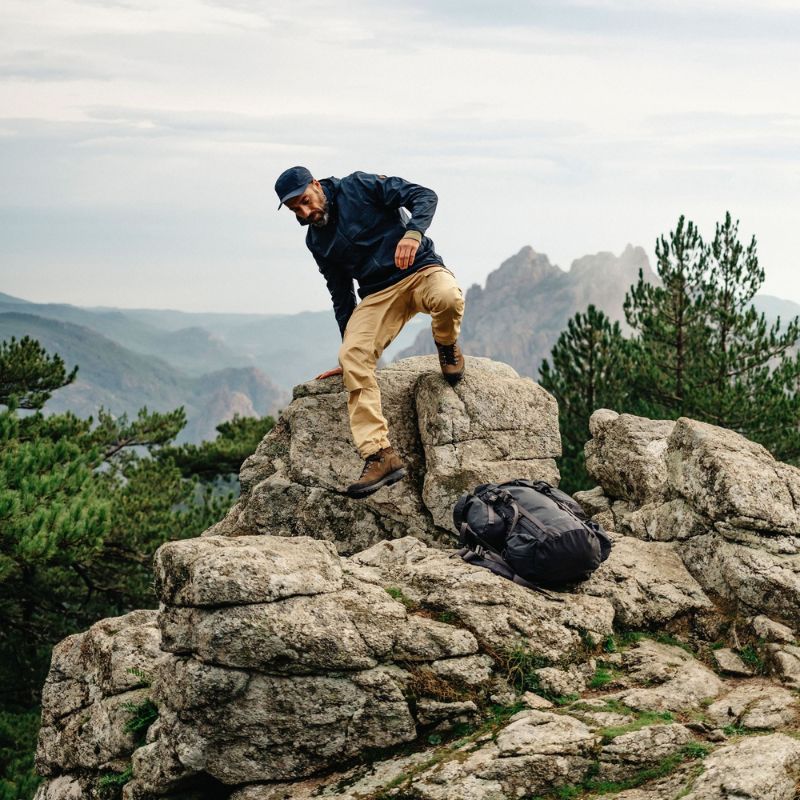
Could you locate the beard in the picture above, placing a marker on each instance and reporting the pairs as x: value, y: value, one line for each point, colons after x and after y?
x: 323, y: 220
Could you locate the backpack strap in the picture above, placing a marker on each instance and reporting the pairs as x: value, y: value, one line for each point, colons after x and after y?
x: 460, y: 507
x: 470, y: 540
x: 521, y: 511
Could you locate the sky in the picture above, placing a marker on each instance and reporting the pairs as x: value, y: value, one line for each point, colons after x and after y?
x: 140, y: 139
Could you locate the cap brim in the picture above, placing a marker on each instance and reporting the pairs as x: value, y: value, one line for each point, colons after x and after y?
x: 295, y: 193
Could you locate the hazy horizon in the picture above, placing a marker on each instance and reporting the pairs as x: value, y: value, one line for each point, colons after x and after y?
x: 141, y: 140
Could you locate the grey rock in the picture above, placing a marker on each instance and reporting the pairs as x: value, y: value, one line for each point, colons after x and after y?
x: 756, y: 706
x: 677, y: 680
x: 785, y: 661
x: 243, y: 727
x: 755, y: 768
x: 483, y: 431
x: 535, y: 701
x: 469, y: 671
x: 727, y: 477
x: 672, y: 786
x: 647, y: 583
x: 64, y: 787
x: 537, y: 750
x: 500, y: 613
x: 219, y: 570
x: 93, y: 675
x: 357, y: 783
x: 666, y: 521
x: 750, y: 575
x: 593, y: 501
x: 561, y: 682
x: 357, y: 627
x: 772, y: 631
x: 446, y: 715
x: 626, y: 455
x: 602, y: 719
x: 728, y: 661
x: 627, y: 754
x: 493, y: 425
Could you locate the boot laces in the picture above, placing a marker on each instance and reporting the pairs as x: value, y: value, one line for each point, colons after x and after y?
x: 370, y: 460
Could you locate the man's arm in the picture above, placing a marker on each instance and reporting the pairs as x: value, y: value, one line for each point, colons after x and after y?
x: 340, y: 285
x: 395, y: 193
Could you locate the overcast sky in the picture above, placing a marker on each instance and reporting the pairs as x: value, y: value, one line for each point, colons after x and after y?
x: 140, y: 140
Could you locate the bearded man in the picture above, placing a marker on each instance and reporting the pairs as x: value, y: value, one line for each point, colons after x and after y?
x: 357, y: 229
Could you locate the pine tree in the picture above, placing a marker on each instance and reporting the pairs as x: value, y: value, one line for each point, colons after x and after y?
x: 701, y: 350
x: 28, y: 375
x: 84, y: 504
x: 590, y: 370
x: 751, y: 374
x: 668, y: 321
x: 236, y: 440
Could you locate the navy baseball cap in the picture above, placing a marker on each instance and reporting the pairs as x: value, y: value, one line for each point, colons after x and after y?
x: 291, y: 183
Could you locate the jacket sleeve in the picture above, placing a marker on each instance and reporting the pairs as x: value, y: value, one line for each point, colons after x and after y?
x: 391, y: 192
x: 340, y: 285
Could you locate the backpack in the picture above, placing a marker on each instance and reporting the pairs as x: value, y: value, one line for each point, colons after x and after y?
x: 529, y: 532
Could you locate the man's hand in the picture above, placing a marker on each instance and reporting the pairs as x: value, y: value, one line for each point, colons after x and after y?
x: 405, y: 252
x: 329, y: 374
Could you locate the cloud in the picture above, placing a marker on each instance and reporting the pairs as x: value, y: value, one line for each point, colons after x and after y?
x: 40, y: 65
x: 678, y: 20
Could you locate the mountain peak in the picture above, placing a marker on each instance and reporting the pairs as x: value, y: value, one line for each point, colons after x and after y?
x: 526, y: 267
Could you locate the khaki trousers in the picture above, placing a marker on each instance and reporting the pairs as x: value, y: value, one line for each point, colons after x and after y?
x: 374, y: 323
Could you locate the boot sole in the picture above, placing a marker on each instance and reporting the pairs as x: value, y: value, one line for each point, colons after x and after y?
x: 386, y: 480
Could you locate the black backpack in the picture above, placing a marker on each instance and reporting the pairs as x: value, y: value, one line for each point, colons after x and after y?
x: 529, y: 532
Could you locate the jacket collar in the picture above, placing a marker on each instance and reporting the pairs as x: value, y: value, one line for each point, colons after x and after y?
x: 330, y: 186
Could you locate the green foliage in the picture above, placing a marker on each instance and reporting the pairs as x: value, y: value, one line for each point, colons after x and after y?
x: 236, y: 440
x: 28, y: 375
x: 704, y: 351
x: 753, y: 658
x: 735, y: 730
x: 110, y: 785
x: 641, y: 720
x: 601, y: 677
x: 397, y: 594
x: 591, y: 784
x: 84, y: 504
x: 668, y: 322
x: 520, y: 665
x: 145, y: 678
x: 587, y: 640
x: 142, y: 716
x: 698, y: 349
x: 18, y: 731
x: 591, y: 367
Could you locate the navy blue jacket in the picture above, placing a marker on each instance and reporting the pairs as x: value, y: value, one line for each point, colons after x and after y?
x: 366, y: 223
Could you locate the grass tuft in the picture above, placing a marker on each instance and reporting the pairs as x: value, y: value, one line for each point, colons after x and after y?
x: 397, y: 594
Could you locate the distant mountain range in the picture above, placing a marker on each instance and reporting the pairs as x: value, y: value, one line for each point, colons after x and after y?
x: 526, y: 303
x: 213, y: 364
x: 518, y: 316
x: 216, y: 365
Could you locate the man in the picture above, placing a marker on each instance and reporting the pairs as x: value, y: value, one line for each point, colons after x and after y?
x: 357, y: 230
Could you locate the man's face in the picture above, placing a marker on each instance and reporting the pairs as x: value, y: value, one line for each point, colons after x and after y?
x: 311, y: 207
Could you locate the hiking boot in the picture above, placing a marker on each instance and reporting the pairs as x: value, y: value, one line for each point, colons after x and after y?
x: 451, y: 361
x: 380, y: 469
